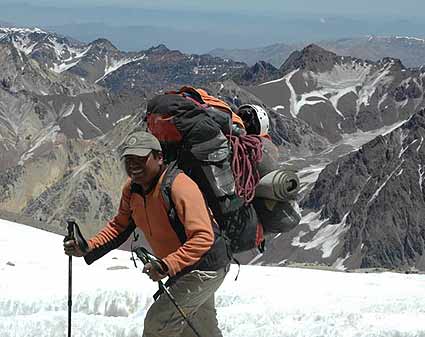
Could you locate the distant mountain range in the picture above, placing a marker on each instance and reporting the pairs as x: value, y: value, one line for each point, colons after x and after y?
x: 133, y: 26
x: 352, y: 127
x: 410, y: 50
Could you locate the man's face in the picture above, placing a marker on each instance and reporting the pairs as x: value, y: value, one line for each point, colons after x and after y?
x: 142, y: 170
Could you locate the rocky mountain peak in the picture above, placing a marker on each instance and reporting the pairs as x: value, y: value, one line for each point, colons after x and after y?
x: 160, y: 49
x: 312, y: 57
x: 21, y: 31
x: 47, y: 48
x: 259, y: 72
x: 313, y: 50
x: 263, y: 65
x: 23, y: 38
x: 393, y: 63
x: 103, y: 44
x: 381, y: 217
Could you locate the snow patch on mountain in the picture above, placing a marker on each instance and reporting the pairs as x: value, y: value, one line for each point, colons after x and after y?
x: 410, y: 38
x: 344, y: 75
x: 278, y: 107
x: 339, y: 263
x: 327, y: 236
x: 80, y: 133
x: 342, y: 79
x: 75, y: 56
x: 60, y: 68
x: 24, y: 44
x: 112, y: 65
x: 8, y: 30
x: 49, y: 136
x: 309, y: 175
x: 80, y: 109
x: 121, y: 119
x: 375, y: 195
x: 68, y: 111
x: 369, y: 89
x: 294, y: 107
x: 421, y: 174
x: 279, y: 79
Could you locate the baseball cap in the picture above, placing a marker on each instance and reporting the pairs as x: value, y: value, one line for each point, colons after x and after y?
x: 139, y: 143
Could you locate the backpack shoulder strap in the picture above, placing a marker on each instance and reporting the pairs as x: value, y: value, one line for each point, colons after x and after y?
x: 166, y: 185
x: 165, y: 188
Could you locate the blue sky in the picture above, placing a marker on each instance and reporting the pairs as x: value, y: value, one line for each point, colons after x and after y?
x: 406, y: 8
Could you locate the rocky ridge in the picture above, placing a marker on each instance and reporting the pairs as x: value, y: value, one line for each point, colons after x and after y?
x: 365, y: 209
x: 410, y: 50
x: 339, y: 95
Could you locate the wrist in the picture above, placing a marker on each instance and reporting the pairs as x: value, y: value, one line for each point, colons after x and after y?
x: 164, y: 268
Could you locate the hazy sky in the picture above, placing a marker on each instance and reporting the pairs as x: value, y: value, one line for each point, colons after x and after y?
x: 190, y: 25
x: 405, y: 8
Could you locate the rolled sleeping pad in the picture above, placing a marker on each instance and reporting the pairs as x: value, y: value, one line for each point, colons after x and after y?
x: 280, y: 185
x: 270, y: 158
x: 277, y: 216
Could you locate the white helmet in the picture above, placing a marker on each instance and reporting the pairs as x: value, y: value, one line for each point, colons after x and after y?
x: 255, y: 119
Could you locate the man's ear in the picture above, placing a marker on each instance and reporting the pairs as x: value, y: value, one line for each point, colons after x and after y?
x: 160, y: 158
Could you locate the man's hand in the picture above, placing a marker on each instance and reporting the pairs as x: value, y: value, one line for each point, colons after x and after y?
x: 153, y: 273
x: 71, y: 248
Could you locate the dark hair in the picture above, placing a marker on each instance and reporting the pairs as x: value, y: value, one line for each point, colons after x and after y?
x: 156, y: 153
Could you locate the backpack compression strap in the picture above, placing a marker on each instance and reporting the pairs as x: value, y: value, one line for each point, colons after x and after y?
x: 201, y: 97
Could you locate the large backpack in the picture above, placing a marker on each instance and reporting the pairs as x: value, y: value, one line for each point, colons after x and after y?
x: 192, y: 134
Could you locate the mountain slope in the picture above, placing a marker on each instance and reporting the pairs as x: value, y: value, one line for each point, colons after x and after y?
x: 37, y: 104
x: 75, y: 178
x: 366, y: 208
x: 337, y: 95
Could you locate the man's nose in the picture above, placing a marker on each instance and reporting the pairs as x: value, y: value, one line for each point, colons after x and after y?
x: 133, y: 166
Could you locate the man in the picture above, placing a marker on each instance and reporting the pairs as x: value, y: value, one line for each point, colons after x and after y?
x: 197, y: 264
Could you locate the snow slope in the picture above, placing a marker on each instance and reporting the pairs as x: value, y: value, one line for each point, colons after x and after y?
x: 111, y: 297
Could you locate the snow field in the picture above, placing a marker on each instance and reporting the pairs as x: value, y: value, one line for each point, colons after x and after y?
x: 110, y: 300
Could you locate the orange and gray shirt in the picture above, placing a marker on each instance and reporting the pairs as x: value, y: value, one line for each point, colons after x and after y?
x: 149, y: 213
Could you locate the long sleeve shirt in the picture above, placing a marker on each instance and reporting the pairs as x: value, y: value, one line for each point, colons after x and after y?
x: 150, y: 214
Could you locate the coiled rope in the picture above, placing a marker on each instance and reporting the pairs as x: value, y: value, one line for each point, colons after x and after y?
x: 247, y: 152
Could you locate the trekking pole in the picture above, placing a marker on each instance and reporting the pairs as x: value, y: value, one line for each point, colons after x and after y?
x: 70, y: 237
x: 146, y: 257
x: 74, y: 233
x: 178, y: 307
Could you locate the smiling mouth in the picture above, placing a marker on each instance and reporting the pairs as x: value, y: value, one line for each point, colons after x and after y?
x: 137, y: 172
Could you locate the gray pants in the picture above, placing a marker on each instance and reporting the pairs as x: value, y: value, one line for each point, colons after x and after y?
x: 194, y: 292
